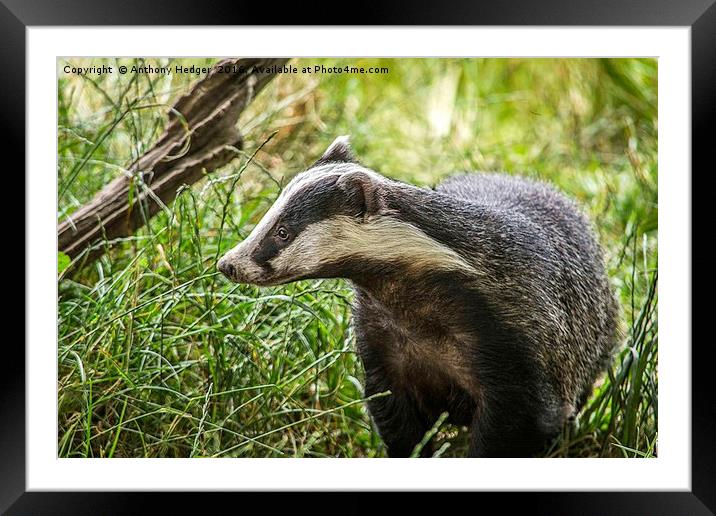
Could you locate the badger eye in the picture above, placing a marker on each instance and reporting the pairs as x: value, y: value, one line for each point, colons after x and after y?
x: 282, y: 233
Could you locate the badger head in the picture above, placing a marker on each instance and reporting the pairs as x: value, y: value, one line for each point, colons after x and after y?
x: 306, y: 232
x: 332, y: 220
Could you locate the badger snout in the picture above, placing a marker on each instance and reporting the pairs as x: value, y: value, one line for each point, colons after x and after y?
x: 226, y: 268
x: 237, y: 270
x: 238, y: 266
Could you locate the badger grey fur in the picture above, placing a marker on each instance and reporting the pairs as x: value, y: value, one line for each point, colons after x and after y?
x: 486, y: 297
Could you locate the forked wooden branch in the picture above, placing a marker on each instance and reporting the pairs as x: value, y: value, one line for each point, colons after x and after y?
x: 204, y: 137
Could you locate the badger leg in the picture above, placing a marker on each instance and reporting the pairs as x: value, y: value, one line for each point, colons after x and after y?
x: 397, y: 416
x: 507, y: 425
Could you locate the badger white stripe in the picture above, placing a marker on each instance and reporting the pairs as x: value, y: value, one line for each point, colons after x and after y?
x: 382, y: 239
x: 298, y: 184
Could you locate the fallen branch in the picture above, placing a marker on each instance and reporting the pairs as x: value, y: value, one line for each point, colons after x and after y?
x: 201, y: 135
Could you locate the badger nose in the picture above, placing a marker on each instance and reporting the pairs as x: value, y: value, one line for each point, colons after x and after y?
x: 226, y: 269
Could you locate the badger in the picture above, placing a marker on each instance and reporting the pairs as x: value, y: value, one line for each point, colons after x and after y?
x: 485, y: 297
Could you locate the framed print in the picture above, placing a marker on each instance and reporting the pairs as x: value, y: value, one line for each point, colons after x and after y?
x: 462, y: 238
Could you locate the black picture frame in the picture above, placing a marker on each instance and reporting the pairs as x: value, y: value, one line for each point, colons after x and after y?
x: 700, y: 15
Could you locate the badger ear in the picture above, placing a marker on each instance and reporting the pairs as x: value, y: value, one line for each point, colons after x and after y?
x: 363, y: 192
x: 339, y: 150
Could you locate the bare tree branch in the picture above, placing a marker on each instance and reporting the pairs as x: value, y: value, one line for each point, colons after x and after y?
x: 201, y: 135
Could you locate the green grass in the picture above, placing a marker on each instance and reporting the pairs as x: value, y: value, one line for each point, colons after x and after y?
x: 159, y: 356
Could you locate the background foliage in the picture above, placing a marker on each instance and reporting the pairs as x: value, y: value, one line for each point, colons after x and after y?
x: 159, y: 356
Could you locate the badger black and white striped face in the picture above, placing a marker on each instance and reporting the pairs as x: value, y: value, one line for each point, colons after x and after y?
x: 297, y: 237
x: 328, y: 222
